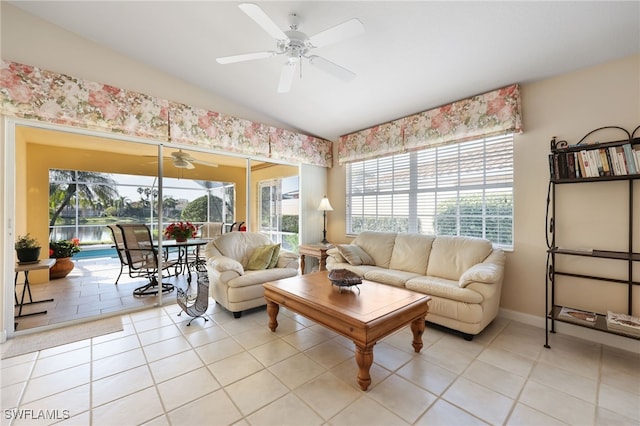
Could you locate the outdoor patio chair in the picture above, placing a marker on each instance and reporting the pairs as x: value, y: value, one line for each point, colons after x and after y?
x: 211, y: 229
x: 118, y: 244
x: 142, y: 259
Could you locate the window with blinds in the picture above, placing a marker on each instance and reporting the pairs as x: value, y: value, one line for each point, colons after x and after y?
x: 459, y: 189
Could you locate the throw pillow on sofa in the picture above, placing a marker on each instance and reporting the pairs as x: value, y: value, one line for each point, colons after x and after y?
x: 261, y: 257
x: 274, y: 257
x: 355, y: 255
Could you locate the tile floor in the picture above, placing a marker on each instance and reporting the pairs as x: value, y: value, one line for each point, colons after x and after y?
x: 227, y: 371
x: 88, y: 291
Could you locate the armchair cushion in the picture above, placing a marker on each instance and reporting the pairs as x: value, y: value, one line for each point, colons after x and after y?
x: 224, y: 263
x: 261, y: 256
x: 274, y: 257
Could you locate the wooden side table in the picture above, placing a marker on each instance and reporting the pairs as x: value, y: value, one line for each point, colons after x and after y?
x: 25, y: 268
x: 317, y: 250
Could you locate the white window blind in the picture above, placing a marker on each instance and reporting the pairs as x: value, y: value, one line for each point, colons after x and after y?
x: 460, y: 189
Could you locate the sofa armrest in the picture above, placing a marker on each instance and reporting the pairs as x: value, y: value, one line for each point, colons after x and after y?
x: 287, y: 259
x: 224, y: 263
x: 488, y: 272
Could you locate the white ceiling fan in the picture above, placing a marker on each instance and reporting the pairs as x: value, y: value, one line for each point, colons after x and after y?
x: 296, y: 45
x: 183, y: 160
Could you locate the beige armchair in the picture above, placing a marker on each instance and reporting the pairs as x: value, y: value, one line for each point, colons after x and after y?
x: 238, y: 263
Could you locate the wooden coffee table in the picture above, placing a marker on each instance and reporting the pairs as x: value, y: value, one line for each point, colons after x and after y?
x: 377, y: 311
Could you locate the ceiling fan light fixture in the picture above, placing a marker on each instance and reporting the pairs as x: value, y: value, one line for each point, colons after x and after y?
x: 181, y: 163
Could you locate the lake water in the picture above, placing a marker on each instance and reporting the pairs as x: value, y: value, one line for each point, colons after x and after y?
x: 89, y: 234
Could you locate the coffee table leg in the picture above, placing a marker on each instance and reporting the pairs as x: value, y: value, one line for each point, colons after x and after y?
x: 364, y: 359
x: 417, y: 327
x: 272, y: 310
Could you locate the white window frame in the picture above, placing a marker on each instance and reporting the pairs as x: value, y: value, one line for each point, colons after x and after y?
x: 406, y: 192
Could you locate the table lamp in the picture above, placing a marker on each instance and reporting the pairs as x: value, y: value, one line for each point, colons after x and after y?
x: 325, y: 206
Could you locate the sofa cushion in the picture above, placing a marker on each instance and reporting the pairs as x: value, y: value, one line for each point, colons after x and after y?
x: 411, y: 252
x: 389, y: 276
x: 360, y: 269
x: 446, y: 289
x: 451, y: 256
x: 261, y: 256
x: 378, y: 245
x: 354, y: 254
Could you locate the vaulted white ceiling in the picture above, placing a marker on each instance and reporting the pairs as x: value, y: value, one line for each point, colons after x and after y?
x: 413, y: 55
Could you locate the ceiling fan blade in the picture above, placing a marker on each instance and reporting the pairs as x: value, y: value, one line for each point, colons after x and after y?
x: 346, y: 30
x: 245, y: 57
x: 331, y: 67
x: 286, y: 76
x: 205, y: 163
x: 257, y: 14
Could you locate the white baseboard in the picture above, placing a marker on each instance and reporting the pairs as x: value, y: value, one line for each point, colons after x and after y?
x: 607, y: 339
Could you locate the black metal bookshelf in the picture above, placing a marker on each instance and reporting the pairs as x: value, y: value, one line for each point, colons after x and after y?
x: 567, y: 167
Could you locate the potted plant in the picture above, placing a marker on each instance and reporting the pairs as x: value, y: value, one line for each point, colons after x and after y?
x: 62, y: 251
x: 27, y: 248
x: 180, y: 231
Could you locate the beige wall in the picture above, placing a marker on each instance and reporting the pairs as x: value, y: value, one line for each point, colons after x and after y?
x: 569, y: 107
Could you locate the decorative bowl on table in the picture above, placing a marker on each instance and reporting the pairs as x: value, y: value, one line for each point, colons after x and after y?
x: 344, y: 278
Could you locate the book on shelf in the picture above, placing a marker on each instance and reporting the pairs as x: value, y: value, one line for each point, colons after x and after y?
x: 631, y: 161
x: 619, y: 160
x: 625, y: 323
x: 578, y: 316
x: 605, y: 162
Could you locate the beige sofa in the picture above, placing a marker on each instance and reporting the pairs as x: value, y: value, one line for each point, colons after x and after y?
x: 462, y: 275
x: 236, y: 273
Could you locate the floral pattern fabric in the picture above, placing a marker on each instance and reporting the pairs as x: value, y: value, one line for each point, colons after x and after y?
x: 378, y: 141
x: 492, y: 113
x: 210, y: 129
x: 32, y: 93
x: 286, y: 145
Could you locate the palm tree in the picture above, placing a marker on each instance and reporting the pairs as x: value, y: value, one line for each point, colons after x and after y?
x: 121, y: 203
x: 92, y: 187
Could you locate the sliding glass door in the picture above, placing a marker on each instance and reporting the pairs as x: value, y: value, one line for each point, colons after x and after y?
x: 279, y: 210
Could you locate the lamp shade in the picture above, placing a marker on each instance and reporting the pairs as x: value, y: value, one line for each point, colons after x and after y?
x: 325, y: 205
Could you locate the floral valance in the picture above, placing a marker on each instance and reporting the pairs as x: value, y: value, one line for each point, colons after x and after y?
x: 287, y: 145
x: 491, y: 113
x: 29, y: 92
x: 210, y: 129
